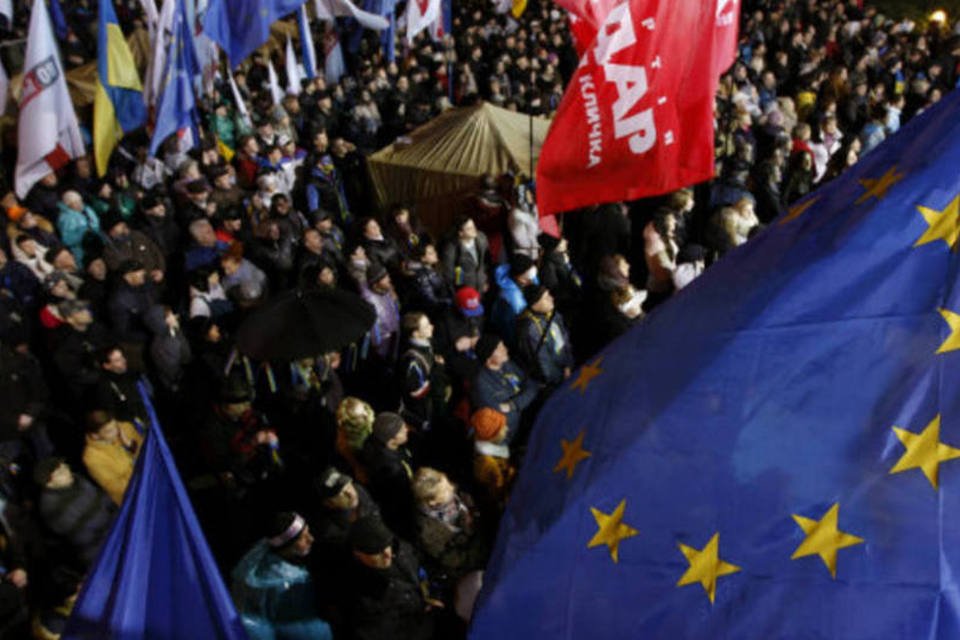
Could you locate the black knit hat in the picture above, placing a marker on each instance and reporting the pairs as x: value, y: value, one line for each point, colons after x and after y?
x: 375, y: 273
x: 330, y: 483
x: 370, y: 535
x: 520, y: 264
x: 486, y: 345
x: 532, y: 293
x: 548, y: 243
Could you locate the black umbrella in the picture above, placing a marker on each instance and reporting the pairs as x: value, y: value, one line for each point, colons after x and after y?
x: 300, y: 324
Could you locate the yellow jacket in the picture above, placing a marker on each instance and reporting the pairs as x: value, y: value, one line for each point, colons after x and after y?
x: 111, y: 465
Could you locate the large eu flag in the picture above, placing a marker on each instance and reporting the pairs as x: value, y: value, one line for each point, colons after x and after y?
x: 240, y: 26
x: 155, y: 576
x: 775, y: 453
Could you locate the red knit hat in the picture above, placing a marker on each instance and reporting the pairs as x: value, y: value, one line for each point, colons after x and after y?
x: 487, y: 423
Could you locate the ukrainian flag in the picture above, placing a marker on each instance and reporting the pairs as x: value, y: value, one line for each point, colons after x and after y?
x: 118, y: 105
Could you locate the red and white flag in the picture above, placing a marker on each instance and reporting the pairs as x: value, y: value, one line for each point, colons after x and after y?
x: 637, y: 116
x: 728, y: 33
x: 48, y: 134
x: 420, y: 15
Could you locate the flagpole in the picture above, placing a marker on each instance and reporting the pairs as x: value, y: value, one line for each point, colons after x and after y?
x: 531, y: 145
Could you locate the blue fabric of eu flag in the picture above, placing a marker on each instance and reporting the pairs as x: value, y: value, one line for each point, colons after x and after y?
x: 240, y: 26
x: 155, y: 576
x: 775, y: 452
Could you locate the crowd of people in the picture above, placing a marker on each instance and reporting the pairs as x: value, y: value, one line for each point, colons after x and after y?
x: 356, y: 493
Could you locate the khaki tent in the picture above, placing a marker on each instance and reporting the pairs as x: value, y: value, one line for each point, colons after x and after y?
x: 439, y: 165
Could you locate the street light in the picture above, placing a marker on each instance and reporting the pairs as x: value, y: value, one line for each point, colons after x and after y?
x: 939, y: 17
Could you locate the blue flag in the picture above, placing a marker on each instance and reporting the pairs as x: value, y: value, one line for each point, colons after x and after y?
x: 155, y: 576
x: 59, y: 20
x: 240, y: 26
x: 307, y: 49
x: 177, y: 110
x: 775, y: 452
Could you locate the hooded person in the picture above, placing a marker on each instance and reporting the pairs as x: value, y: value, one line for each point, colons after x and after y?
x: 272, y: 588
x: 389, y: 467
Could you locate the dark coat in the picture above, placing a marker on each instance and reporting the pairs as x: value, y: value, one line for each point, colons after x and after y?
x: 389, y: 472
x: 388, y: 604
x: 508, y: 385
x: 459, y: 267
x: 80, y: 513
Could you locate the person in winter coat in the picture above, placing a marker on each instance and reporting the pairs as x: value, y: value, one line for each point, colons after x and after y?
x: 388, y: 462
x: 405, y: 233
x: 524, y: 224
x: 121, y: 244
x: 385, y: 586
x: 110, y: 453
x: 511, y: 279
x: 169, y: 349
x: 501, y: 384
x: 427, y: 290
x: 24, y: 401
x: 423, y: 381
x: 207, y: 297
x: 492, y: 469
x: 273, y: 589
x: 379, y: 248
x: 354, y: 425
x: 619, y: 304
x: 130, y: 302
x: 385, y: 333
x: 73, y: 508
x: 75, y: 221
x: 77, y: 345
x: 558, y: 274
x: 447, y: 525
x: 457, y: 333
x: 660, y: 251
x: 243, y: 281
x: 464, y: 257
x: 542, y: 338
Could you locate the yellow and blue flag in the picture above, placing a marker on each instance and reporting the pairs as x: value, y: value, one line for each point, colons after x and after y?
x: 775, y: 452
x: 118, y: 105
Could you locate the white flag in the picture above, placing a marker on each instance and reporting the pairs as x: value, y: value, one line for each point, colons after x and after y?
x: 420, y: 14
x: 4, y: 89
x: 48, y: 133
x: 293, y: 72
x: 275, y: 92
x: 329, y: 9
x: 151, y: 16
x: 333, y: 66
x: 237, y: 98
x: 153, y: 85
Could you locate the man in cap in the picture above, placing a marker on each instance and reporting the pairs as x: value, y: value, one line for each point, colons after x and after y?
x: 386, y: 585
x: 273, y: 589
x: 130, y: 302
x: 389, y: 468
x: 501, y: 384
x: 542, y: 338
x: 458, y: 330
x: 122, y: 245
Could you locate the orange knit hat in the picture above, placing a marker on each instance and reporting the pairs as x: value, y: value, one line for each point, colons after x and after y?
x: 487, y: 423
x: 15, y: 212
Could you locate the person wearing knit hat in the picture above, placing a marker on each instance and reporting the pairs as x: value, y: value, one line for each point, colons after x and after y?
x: 379, y: 292
x: 384, y: 588
x: 389, y: 461
x: 273, y: 590
x: 492, y: 469
x: 500, y: 384
x: 468, y: 302
x: 543, y: 341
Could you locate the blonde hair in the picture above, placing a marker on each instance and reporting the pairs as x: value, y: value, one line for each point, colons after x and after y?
x: 426, y: 484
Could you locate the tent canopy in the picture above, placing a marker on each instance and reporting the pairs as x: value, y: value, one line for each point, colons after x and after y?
x: 439, y: 165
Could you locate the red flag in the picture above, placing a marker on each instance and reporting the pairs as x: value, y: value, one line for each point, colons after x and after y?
x: 637, y: 117
x: 728, y: 31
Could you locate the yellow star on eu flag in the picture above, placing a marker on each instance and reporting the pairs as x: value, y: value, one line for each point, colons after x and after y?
x: 924, y: 451
x: 587, y: 373
x: 878, y: 187
x: 798, y: 210
x: 705, y: 566
x: 824, y: 538
x: 952, y: 343
x: 573, y: 454
x: 611, y: 530
x: 942, y: 225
